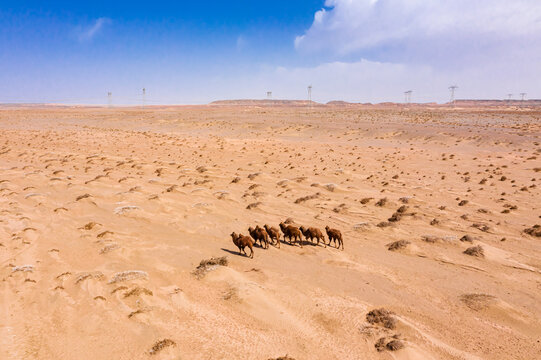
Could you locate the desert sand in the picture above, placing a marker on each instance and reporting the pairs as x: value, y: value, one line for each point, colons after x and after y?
x: 106, y: 213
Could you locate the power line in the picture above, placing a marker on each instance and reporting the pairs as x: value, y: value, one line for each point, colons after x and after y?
x: 407, y: 96
x: 144, y: 95
x: 452, y: 88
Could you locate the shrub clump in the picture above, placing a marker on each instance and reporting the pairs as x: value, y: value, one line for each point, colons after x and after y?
x: 381, y: 317
x: 476, y: 251
x: 397, y: 245
x: 382, y: 344
x: 534, y: 231
x: 160, y: 345
x: 207, y: 265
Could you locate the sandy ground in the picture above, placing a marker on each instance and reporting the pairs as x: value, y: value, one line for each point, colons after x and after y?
x: 106, y: 213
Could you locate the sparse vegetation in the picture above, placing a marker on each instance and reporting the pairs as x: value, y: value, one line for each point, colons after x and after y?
x: 398, y: 245
x: 534, y: 231
x: 476, y: 251
x: 477, y: 301
x: 160, y: 345
x: 381, y: 317
x: 209, y: 265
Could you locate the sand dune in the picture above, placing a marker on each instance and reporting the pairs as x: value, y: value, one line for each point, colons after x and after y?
x: 106, y: 213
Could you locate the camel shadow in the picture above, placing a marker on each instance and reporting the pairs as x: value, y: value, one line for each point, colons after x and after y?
x: 233, y: 252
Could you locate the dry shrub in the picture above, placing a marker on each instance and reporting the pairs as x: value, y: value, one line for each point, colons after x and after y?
x: 102, y: 234
x: 394, y: 345
x: 482, y: 227
x: 430, y: 238
x: 340, y: 208
x: 160, y: 345
x: 137, y: 291
x: 89, y: 226
x: 108, y: 248
x: 365, y: 200
x: 253, y: 205
x: 395, y: 217
x: 477, y: 301
x: 222, y: 261
x: 67, y: 273
x: 85, y: 276
x: 123, y: 287
x: 402, y: 209
x: 397, y: 245
x: 382, y: 317
x: 466, y: 238
x: 81, y: 197
x: 286, y: 357
x: 306, y: 198
x: 534, y: 231
x: 330, y: 187
x: 380, y: 344
x: 208, y: 265
x: 128, y: 275
x: 133, y: 313
x: 476, y: 251
x: 382, y: 202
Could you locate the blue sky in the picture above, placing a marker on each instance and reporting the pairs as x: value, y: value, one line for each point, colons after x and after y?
x: 197, y: 51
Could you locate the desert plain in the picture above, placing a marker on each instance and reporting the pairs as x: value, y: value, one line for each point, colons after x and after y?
x: 107, y: 213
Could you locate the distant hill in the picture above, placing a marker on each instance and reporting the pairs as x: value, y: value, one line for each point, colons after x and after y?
x: 488, y: 102
x: 266, y: 102
x: 340, y: 103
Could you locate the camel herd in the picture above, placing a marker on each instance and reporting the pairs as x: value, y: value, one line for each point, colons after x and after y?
x: 270, y: 235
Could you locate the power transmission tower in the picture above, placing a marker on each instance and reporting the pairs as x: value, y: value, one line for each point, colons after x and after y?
x: 269, y: 95
x: 509, y: 96
x: 110, y: 99
x: 144, y: 96
x: 523, y: 95
x: 407, y: 96
x: 310, y: 95
x: 452, y: 89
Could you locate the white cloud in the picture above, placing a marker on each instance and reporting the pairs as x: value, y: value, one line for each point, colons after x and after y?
x: 488, y: 47
x: 90, y: 32
x: 425, y: 31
